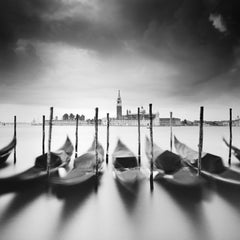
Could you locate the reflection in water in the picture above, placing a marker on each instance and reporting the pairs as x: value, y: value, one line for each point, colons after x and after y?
x: 19, y: 202
x: 114, y: 212
x: 73, y: 198
x: 190, y: 202
x: 231, y: 194
x: 128, y: 194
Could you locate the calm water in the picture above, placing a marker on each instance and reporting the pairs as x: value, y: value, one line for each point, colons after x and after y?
x: 113, y: 212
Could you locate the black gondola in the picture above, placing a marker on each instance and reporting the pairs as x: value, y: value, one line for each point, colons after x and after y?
x: 236, y: 151
x: 212, y: 166
x: 38, y: 172
x: 168, y: 167
x: 84, y: 169
x: 125, y: 165
x: 7, y: 150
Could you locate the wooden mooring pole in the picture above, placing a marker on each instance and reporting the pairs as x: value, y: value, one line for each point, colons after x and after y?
x: 107, y: 138
x: 96, y: 139
x: 230, y: 136
x: 171, y: 131
x: 139, y: 139
x: 49, y: 141
x: 76, y: 134
x: 200, y: 145
x: 15, y: 137
x: 151, y: 140
x: 43, y: 134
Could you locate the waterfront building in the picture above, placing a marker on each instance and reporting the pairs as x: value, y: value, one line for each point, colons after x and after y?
x: 131, y: 119
x: 166, y: 121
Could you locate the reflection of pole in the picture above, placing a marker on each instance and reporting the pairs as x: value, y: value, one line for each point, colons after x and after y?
x: 200, y: 141
x: 230, y: 136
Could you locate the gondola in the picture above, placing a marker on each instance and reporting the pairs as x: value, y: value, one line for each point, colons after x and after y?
x: 168, y: 167
x: 6, y: 151
x: 125, y: 165
x: 38, y: 172
x: 84, y: 169
x: 212, y: 166
x: 236, y: 151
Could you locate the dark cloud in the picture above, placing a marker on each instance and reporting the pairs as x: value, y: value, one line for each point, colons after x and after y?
x: 56, y: 20
x: 185, y: 33
x: 181, y: 33
x: 155, y: 22
x: 50, y: 20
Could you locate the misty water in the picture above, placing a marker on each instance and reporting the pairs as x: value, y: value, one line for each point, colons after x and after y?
x: 113, y: 212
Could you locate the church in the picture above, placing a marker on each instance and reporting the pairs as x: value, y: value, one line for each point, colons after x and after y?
x: 131, y: 119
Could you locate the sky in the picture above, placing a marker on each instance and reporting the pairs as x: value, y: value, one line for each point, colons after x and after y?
x: 75, y: 55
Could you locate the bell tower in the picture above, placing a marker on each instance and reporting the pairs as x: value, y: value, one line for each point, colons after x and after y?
x: 119, y: 106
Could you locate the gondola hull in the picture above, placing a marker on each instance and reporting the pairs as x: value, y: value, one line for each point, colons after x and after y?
x: 83, y: 172
x: 128, y: 176
x: 38, y: 173
x: 27, y: 179
x: 4, y: 157
x: 184, y: 177
x: 125, y: 165
x: 228, y: 176
x: 168, y: 168
x: 7, y: 150
x: 221, y: 174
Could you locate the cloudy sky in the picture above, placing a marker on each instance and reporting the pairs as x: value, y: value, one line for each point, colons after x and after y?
x: 75, y: 55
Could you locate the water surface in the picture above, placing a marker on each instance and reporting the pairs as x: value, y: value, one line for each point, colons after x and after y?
x: 112, y: 212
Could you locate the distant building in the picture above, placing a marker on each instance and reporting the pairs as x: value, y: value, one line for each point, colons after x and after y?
x: 82, y: 117
x: 186, y: 122
x: 166, y: 121
x: 119, y: 106
x: 131, y: 119
x: 236, y: 122
x: 68, y: 119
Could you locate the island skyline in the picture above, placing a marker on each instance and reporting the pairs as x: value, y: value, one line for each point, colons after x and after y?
x: 123, y: 116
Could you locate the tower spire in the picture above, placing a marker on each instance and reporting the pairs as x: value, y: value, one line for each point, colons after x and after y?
x: 119, y: 106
